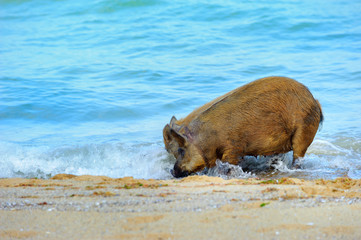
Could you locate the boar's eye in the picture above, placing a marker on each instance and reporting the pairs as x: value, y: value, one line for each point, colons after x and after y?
x: 181, y: 152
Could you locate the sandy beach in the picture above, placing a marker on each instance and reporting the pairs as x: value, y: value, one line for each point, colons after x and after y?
x: 196, y: 207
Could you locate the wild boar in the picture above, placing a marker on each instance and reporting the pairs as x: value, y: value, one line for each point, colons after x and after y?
x: 268, y: 116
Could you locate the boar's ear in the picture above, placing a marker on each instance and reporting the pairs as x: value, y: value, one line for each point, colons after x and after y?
x: 178, y: 137
x: 172, y: 121
x: 176, y: 127
x: 166, y: 132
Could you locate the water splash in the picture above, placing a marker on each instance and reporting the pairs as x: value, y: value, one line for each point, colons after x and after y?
x: 250, y: 167
x: 227, y: 171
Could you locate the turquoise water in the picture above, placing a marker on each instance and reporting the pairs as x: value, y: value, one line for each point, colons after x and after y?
x: 86, y: 87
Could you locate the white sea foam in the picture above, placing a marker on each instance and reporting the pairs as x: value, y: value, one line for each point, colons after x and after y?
x: 110, y: 159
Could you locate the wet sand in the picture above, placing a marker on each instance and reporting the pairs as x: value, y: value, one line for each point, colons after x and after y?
x: 196, y: 207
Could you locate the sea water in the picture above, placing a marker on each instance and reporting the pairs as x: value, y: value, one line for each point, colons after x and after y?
x: 86, y: 87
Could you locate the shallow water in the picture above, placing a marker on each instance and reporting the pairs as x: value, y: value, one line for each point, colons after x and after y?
x: 86, y: 87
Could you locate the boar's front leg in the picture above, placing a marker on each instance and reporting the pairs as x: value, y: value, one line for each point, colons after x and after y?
x: 231, y: 156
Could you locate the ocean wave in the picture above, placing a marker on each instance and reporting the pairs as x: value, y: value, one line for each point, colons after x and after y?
x: 108, y: 159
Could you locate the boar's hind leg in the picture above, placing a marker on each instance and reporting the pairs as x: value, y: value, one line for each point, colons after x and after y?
x: 301, y: 140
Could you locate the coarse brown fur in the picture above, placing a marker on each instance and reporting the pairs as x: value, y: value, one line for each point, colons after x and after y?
x: 268, y: 116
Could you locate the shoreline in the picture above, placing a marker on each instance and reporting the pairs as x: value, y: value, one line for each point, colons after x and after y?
x: 196, y: 207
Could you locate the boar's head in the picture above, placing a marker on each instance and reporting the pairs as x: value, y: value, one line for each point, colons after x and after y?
x: 179, y: 141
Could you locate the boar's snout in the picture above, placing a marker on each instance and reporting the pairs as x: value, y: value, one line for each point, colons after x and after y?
x: 178, y: 172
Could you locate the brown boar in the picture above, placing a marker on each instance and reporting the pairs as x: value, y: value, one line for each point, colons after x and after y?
x: 268, y: 116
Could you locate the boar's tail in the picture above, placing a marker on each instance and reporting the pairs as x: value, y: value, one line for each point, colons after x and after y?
x: 321, y: 114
